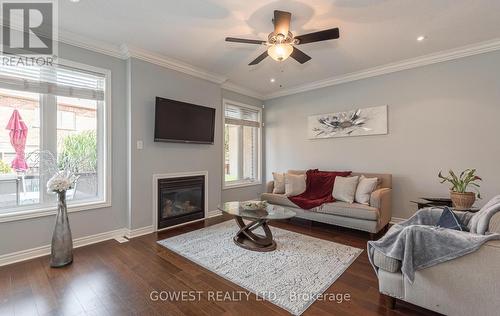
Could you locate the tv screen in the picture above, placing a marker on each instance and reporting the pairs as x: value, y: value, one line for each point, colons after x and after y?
x: 182, y: 122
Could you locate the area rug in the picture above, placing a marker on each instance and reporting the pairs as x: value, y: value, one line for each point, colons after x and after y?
x: 292, y: 277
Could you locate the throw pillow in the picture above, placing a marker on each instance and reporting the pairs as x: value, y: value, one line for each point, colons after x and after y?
x: 364, y: 190
x: 279, y: 183
x: 344, y: 188
x: 449, y: 220
x: 295, y: 184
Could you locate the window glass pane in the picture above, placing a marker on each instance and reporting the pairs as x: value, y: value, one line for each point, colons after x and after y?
x: 66, y: 120
x: 77, y: 144
x: 241, y: 144
x: 19, y: 183
x: 63, y: 104
x: 250, y: 153
x: 231, y: 149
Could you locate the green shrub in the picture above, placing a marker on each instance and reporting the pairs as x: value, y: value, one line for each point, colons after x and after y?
x: 4, y: 167
x: 79, y: 152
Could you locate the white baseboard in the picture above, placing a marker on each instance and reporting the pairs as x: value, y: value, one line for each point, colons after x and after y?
x: 45, y: 250
x: 395, y: 220
x: 214, y: 213
x: 132, y: 233
x: 84, y: 241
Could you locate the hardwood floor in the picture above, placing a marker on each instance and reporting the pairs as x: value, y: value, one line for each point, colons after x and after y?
x: 110, y: 278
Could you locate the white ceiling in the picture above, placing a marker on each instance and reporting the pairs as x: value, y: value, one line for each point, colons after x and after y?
x: 372, y: 32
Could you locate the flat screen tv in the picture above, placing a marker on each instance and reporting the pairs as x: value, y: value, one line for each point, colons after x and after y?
x: 181, y: 122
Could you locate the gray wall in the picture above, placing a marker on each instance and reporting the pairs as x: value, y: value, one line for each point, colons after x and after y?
x: 441, y: 116
x: 254, y: 191
x: 148, y: 81
x: 135, y: 84
x: 26, y: 234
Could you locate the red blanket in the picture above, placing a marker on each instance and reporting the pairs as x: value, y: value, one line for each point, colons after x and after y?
x: 319, y: 187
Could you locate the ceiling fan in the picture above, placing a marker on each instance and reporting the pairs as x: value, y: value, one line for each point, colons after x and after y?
x: 280, y: 43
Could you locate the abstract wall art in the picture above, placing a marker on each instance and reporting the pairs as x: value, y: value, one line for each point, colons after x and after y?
x: 358, y: 122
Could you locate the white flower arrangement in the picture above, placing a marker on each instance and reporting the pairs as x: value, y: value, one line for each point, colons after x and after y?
x: 61, y: 181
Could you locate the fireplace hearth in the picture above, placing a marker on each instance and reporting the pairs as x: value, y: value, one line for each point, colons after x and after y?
x: 180, y: 200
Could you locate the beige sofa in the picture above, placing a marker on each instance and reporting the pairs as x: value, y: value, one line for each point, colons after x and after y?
x: 468, y: 285
x: 370, y: 218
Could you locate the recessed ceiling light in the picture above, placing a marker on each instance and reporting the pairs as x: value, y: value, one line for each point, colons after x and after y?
x: 74, y: 0
x: 420, y: 38
x: 272, y: 80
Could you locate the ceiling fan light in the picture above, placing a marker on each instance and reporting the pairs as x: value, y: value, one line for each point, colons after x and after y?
x: 280, y: 52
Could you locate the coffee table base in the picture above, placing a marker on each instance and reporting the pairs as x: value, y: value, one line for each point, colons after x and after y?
x: 247, y: 239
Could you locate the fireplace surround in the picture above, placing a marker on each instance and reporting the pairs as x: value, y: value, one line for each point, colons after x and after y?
x: 179, y: 198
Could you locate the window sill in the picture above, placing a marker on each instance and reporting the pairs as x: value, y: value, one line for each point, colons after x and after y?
x: 52, y: 210
x: 229, y: 186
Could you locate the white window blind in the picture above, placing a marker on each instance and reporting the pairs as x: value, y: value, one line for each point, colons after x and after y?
x: 236, y: 115
x: 58, y: 80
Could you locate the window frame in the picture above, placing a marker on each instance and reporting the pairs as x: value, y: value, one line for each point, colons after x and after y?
x: 241, y: 183
x: 104, y: 150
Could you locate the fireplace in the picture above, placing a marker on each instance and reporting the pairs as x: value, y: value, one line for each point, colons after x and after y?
x: 180, y: 200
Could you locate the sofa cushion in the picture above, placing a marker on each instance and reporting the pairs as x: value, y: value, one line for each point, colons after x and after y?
x: 279, y: 183
x: 385, y: 180
x: 450, y: 220
x: 354, y: 210
x: 344, y: 188
x: 365, y: 188
x: 293, y: 171
x: 295, y: 184
x: 386, y: 263
x: 279, y: 199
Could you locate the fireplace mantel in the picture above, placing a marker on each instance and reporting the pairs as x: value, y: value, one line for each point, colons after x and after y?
x: 157, y: 177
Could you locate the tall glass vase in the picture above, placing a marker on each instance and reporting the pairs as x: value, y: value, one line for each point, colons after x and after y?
x: 62, y: 242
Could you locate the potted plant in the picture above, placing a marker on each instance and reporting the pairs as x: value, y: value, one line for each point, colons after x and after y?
x: 460, y: 197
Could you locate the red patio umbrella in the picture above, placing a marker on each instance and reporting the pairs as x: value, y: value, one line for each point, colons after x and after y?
x: 18, y: 134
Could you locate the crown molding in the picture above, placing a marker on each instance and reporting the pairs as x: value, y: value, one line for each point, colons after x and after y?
x: 125, y: 51
x: 461, y: 52
x: 242, y: 90
x: 77, y: 40
x: 170, y: 63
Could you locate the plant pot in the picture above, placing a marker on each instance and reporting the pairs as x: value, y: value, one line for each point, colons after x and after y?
x: 462, y: 201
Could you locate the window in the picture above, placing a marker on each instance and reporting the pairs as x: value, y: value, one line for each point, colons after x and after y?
x: 66, y: 111
x: 242, y: 144
x: 65, y: 120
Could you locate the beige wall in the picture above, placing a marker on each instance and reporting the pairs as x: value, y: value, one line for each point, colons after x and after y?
x: 440, y: 116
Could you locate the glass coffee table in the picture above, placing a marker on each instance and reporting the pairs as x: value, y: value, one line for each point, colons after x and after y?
x: 245, y: 237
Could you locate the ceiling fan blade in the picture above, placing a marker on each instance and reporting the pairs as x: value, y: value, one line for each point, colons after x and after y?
x: 318, y: 36
x: 243, y: 40
x: 282, y: 22
x: 299, y: 55
x: 259, y: 59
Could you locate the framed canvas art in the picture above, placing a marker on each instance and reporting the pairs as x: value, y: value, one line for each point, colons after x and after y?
x: 358, y: 122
